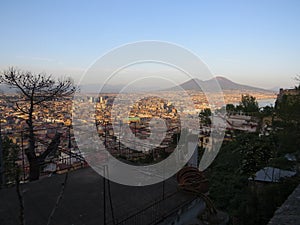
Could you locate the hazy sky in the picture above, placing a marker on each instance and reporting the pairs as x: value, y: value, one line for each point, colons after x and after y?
x: 250, y: 42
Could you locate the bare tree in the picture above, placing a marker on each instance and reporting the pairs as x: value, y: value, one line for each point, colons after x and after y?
x: 35, y: 92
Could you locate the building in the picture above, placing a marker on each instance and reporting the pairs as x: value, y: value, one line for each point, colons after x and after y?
x: 271, y: 175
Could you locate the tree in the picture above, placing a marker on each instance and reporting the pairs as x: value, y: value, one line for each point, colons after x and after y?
x: 267, y: 110
x: 204, y: 116
x: 249, y: 104
x: 255, y: 152
x: 35, y: 91
x: 230, y: 108
x: 288, y: 108
x: 10, y: 156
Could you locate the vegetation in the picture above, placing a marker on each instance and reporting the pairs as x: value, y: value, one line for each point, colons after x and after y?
x: 255, y: 152
x: 10, y: 157
x: 288, y: 109
x: 35, y: 91
x: 204, y: 116
x: 248, y: 104
x: 248, y: 202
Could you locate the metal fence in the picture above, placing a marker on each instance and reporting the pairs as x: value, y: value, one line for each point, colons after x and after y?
x: 67, y: 155
x: 154, y: 213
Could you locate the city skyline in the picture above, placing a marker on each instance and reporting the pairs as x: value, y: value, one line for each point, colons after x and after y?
x: 250, y: 43
x: 149, y: 112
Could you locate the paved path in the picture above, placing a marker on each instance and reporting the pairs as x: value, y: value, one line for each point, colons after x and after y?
x: 82, y: 203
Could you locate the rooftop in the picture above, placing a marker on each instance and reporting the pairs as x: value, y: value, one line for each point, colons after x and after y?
x: 271, y: 174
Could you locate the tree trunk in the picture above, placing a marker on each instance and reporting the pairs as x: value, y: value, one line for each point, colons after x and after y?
x: 34, y: 169
x: 35, y: 162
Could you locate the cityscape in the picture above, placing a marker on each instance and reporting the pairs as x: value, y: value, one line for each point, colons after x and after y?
x: 137, y: 126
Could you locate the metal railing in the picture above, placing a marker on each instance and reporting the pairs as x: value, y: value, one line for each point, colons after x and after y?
x: 67, y: 155
x: 154, y: 213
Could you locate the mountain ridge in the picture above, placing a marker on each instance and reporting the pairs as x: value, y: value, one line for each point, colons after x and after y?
x: 192, y: 84
x: 224, y: 83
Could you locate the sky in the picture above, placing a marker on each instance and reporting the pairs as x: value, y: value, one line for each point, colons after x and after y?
x: 250, y: 42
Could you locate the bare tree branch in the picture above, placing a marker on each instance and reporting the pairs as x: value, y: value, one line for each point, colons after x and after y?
x: 53, y: 146
x: 36, y: 91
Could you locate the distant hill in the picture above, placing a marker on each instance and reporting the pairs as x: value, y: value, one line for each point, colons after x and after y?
x: 193, y: 84
x: 225, y: 84
x: 274, y: 89
x: 96, y: 88
x: 6, y: 89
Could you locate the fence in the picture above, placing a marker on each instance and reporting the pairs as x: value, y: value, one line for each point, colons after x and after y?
x: 154, y: 213
x: 67, y: 155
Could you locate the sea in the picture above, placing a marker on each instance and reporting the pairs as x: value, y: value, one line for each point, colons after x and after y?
x: 266, y: 102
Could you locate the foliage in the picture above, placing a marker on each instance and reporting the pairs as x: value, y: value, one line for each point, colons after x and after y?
x: 288, y: 139
x: 288, y: 108
x: 248, y: 104
x: 10, y: 156
x: 227, y: 184
x: 204, y: 116
x: 247, y: 203
x: 267, y: 111
x: 230, y: 108
x: 255, y: 152
x: 282, y: 163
